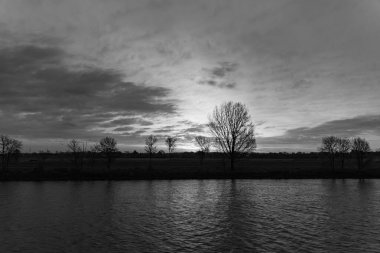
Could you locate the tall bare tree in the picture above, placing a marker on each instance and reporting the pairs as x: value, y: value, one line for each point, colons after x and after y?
x: 234, y: 133
x: 360, y: 147
x: 330, y: 147
x: 108, y: 147
x: 204, y: 144
x: 150, y: 148
x: 343, y: 148
x: 171, y: 143
x: 8, y: 148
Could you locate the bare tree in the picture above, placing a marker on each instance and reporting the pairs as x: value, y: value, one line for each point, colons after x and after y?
x: 74, y: 147
x: 204, y: 144
x: 108, y: 147
x: 150, y: 147
x: 171, y: 143
x: 343, y: 148
x: 234, y: 133
x: 8, y: 148
x: 360, y: 147
x: 330, y: 147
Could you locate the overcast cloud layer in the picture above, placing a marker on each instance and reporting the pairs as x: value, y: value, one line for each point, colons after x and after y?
x: 89, y: 68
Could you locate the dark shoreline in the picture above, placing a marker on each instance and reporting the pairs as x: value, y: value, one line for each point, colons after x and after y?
x: 60, y: 167
x: 372, y: 174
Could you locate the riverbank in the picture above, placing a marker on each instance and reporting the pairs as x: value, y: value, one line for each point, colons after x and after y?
x: 183, y: 168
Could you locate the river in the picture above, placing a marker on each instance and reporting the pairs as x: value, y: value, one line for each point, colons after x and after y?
x: 191, y: 216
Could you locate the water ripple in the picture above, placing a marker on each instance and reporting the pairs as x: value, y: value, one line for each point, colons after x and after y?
x: 191, y: 216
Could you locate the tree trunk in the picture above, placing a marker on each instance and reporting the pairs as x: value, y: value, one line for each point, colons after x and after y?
x: 3, y: 168
x: 7, y: 162
x: 108, y: 165
x: 2, y: 163
x: 201, y: 157
x: 358, y: 157
x: 232, y: 162
x: 333, y: 163
x: 150, y: 161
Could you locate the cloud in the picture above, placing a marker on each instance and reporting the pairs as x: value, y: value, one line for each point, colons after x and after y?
x: 301, y: 84
x: 128, y: 121
x: 123, y: 129
x: 43, y: 96
x: 311, y: 136
x: 218, y: 76
x: 196, y: 129
x: 366, y: 124
x: 185, y: 129
x: 223, y: 69
x: 219, y: 84
x: 163, y: 131
x: 139, y: 132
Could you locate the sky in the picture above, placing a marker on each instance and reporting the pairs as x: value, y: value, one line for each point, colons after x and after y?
x: 86, y: 69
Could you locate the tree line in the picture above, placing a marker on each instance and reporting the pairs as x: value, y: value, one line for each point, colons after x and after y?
x: 232, y: 133
x: 340, y: 148
x: 230, y: 125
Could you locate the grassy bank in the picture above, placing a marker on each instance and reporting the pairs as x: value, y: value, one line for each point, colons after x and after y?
x: 58, y: 168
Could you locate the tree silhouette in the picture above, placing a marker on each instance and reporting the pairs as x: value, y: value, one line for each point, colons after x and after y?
x: 150, y: 147
x: 8, y: 148
x: 204, y: 144
x: 343, y: 148
x: 171, y: 143
x: 360, y: 147
x: 231, y: 125
x: 75, y: 148
x: 107, y: 147
x: 330, y: 147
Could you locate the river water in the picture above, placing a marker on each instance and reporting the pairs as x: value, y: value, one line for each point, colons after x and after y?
x: 191, y: 216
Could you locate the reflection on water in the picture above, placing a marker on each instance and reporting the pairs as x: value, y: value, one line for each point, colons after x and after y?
x: 191, y: 216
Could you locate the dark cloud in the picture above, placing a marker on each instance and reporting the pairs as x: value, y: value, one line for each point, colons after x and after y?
x: 362, y: 125
x: 162, y: 131
x: 128, y: 121
x: 185, y: 122
x: 196, y: 129
x: 124, y: 129
x: 345, y: 127
x: 223, y: 69
x: 184, y: 128
x: 188, y: 126
x: 42, y: 96
x: 227, y: 85
x: 301, y: 84
x: 217, y: 76
x: 219, y: 84
x: 139, y: 132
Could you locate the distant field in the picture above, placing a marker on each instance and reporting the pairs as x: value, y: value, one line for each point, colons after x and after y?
x: 165, y: 168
